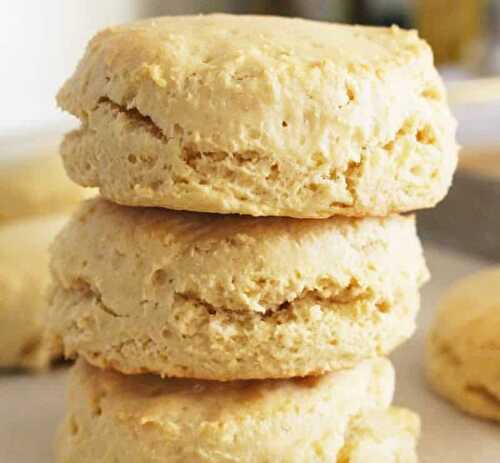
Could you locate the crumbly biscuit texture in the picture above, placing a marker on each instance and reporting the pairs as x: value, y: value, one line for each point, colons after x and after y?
x: 310, y: 419
x: 382, y: 436
x: 262, y: 116
x: 229, y: 297
x: 24, y: 279
x: 35, y: 187
x: 463, y: 355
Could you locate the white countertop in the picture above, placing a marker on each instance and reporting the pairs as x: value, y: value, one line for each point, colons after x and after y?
x: 31, y: 407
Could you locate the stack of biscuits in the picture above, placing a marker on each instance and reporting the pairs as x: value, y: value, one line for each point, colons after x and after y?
x: 233, y: 292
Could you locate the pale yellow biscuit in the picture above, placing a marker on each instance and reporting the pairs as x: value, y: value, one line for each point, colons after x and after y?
x: 230, y: 297
x: 463, y: 355
x: 24, y: 278
x: 36, y: 186
x: 260, y: 116
x: 112, y: 417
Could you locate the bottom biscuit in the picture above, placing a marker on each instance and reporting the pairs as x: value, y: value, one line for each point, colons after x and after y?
x: 24, y: 277
x: 342, y: 416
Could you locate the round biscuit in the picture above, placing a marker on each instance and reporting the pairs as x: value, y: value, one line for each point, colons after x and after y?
x: 230, y: 297
x: 336, y: 417
x: 264, y: 116
x: 463, y: 349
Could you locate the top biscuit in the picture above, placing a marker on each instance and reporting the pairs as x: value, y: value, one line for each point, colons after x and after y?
x: 260, y: 116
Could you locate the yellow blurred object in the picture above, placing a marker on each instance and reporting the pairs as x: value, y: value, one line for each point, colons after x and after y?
x: 452, y: 27
x: 24, y: 278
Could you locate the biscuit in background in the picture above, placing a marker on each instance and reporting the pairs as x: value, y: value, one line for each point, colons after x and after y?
x: 36, y: 186
x: 24, y: 279
x: 463, y: 351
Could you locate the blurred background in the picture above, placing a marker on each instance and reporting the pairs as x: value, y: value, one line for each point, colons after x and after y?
x: 41, y: 43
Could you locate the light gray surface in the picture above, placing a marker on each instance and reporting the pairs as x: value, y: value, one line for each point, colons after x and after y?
x: 30, y: 407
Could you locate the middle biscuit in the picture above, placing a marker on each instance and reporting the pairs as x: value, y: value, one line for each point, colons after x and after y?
x: 232, y: 297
